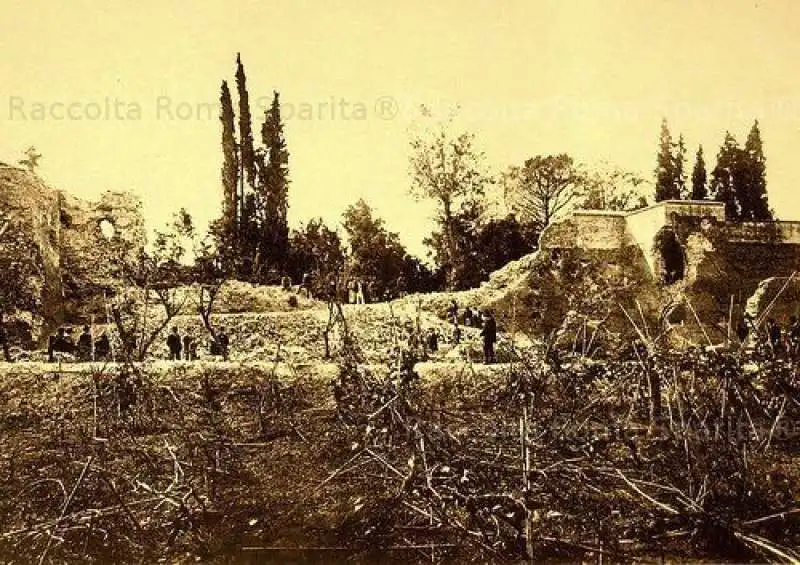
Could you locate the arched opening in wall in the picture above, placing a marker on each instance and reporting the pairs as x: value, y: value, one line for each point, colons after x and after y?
x: 107, y: 229
x: 66, y: 220
x: 670, y: 258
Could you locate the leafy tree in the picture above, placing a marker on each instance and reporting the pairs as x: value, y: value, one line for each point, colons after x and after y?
x: 211, y: 271
x: 501, y: 241
x: 209, y: 268
x: 699, y: 190
x: 665, y: 164
x: 376, y: 254
x: 450, y: 171
x: 31, y: 160
x: 154, y: 276
x: 544, y: 187
x: 611, y: 188
x: 228, y: 225
x: 315, y: 249
x: 418, y: 277
x: 756, y: 191
x: 465, y: 227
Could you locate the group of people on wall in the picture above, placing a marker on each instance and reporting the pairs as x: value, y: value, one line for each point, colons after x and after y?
x: 347, y: 290
x: 88, y: 348
x: 84, y: 348
x: 185, y: 347
x: 472, y: 317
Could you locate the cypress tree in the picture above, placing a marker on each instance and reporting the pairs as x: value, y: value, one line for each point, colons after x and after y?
x: 679, y: 168
x: 665, y: 166
x: 275, y: 183
x: 230, y: 168
x: 699, y: 191
x: 248, y: 166
x: 248, y: 224
x: 756, y: 179
x: 726, y: 177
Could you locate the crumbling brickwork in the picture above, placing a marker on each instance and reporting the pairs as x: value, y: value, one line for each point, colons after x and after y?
x: 73, y: 255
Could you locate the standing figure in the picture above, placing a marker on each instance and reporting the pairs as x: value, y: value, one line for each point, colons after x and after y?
x: 224, y: 344
x: 432, y: 341
x: 452, y: 312
x: 775, y: 334
x: 174, y: 345
x: 332, y: 290
x: 794, y: 337
x: 68, y: 344
x: 742, y: 331
x: 371, y: 294
x: 85, y: 345
x: 489, y: 334
x: 476, y: 318
x: 4, y: 341
x: 359, y: 292
x: 187, y: 347
x: 102, y: 347
x: 456, y: 333
x: 305, y: 285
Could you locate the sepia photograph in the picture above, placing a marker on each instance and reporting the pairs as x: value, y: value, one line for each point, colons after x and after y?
x: 367, y: 282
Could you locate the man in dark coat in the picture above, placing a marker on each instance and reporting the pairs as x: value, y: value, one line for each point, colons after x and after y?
x: 174, y: 345
x: 102, y: 347
x: 4, y: 340
x: 187, y: 347
x: 224, y: 343
x: 85, y: 345
x: 452, y: 312
x: 775, y: 333
x: 489, y: 334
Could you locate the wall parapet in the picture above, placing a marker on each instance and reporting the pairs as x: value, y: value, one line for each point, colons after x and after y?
x: 764, y: 232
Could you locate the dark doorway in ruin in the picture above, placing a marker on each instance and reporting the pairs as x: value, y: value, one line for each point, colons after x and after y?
x: 670, y: 257
x: 66, y: 220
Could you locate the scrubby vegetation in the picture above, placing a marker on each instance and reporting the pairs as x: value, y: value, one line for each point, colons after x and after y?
x: 545, y: 457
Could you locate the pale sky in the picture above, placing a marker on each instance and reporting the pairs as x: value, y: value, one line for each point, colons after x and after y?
x: 589, y: 78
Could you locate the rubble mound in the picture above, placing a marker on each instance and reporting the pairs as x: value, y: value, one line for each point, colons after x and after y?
x: 241, y: 297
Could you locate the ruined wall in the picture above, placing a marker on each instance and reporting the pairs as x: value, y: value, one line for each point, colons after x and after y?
x: 721, y: 267
x: 587, y: 229
x: 71, y: 254
x: 33, y: 208
x: 600, y: 230
x: 765, y: 232
x: 92, y: 235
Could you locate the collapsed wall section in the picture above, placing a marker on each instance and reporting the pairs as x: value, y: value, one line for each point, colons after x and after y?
x: 693, y: 272
x: 95, y: 238
x: 31, y: 209
x: 69, y: 253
